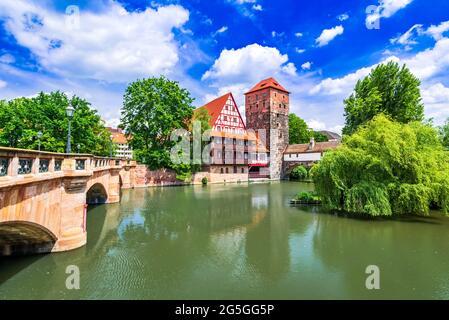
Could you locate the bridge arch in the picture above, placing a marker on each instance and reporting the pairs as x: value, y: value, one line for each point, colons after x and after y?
x: 24, y: 237
x: 97, y: 194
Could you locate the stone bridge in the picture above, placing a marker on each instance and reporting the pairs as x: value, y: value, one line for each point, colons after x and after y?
x: 44, y: 197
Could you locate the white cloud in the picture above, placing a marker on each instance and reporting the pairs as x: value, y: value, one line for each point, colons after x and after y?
x: 431, y: 66
x: 306, y: 66
x: 299, y: 34
x: 328, y: 35
x: 111, y: 44
x: 7, y: 58
x: 407, y: 38
x: 2, y: 84
x: 343, y: 17
x: 316, y: 125
x: 437, y: 31
x: 277, y: 34
x: 289, y: 69
x: 248, y: 64
x: 257, y: 7
x: 386, y: 9
x: 346, y: 84
x: 300, y: 50
x: 221, y: 30
x: 436, y: 101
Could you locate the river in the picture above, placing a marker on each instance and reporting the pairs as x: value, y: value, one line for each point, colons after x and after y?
x: 237, y: 242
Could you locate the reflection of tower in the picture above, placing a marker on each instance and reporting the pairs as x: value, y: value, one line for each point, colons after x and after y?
x: 267, y: 242
x: 267, y: 108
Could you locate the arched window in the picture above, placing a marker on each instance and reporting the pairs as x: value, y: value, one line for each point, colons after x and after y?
x: 227, y: 170
x: 221, y: 171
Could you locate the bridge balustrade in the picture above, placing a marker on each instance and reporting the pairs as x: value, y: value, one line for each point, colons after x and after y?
x: 25, y: 163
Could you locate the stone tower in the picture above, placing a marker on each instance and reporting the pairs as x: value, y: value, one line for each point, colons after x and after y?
x: 267, y: 106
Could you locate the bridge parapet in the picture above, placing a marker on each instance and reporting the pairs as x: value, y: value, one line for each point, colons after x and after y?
x: 20, y: 166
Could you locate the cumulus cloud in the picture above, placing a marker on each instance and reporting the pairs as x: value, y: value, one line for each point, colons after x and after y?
x: 300, y: 51
x: 436, y: 100
x: 437, y: 31
x: 386, y: 9
x: 430, y: 66
x: 345, y: 84
x: 111, y: 44
x: 306, y: 66
x: 257, y: 7
x: 248, y: 64
x: 407, y: 39
x: 328, y: 35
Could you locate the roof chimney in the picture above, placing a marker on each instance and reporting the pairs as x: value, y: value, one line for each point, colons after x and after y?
x: 312, y: 143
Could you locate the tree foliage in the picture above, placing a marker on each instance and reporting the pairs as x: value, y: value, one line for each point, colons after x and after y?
x: 388, y: 89
x: 299, y: 131
x: 152, y: 109
x: 444, y: 134
x: 22, y: 118
x: 299, y: 173
x: 386, y: 168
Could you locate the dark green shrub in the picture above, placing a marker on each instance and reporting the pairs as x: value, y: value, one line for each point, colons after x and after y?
x: 299, y: 173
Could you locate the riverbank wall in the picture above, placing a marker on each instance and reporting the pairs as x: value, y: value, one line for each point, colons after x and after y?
x: 144, y: 177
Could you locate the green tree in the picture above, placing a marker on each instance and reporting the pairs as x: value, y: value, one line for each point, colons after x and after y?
x: 386, y: 168
x: 152, y: 109
x: 299, y: 173
x: 444, y: 134
x: 22, y: 118
x: 388, y: 89
x: 319, y: 137
x: 298, y: 130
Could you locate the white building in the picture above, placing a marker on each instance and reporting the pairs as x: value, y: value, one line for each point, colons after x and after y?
x: 308, y: 154
x: 123, y: 150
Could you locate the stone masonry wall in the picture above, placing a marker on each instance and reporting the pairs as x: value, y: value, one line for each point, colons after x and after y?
x: 163, y: 177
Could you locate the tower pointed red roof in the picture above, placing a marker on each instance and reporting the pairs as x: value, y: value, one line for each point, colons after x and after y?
x: 267, y: 83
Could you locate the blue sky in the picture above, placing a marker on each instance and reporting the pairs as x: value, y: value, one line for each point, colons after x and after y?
x: 316, y: 49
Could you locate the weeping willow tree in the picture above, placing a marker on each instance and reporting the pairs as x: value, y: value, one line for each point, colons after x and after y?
x: 386, y: 168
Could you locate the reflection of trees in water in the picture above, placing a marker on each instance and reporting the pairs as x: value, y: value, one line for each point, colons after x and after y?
x: 411, y: 254
x: 173, y: 237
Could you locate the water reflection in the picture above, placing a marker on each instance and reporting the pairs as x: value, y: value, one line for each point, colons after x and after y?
x: 236, y: 242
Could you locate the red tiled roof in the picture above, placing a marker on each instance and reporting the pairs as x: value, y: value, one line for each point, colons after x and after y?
x: 267, y: 83
x: 118, y: 137
x: 319, y: 147
x: 214, y: 107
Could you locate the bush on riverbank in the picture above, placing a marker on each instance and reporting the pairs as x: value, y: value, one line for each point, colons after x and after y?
x: 386, y: 168
x: 308, y: 197
x: 299, y: 173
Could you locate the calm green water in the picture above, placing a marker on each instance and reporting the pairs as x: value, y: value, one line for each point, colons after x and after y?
x: 237, y: 242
